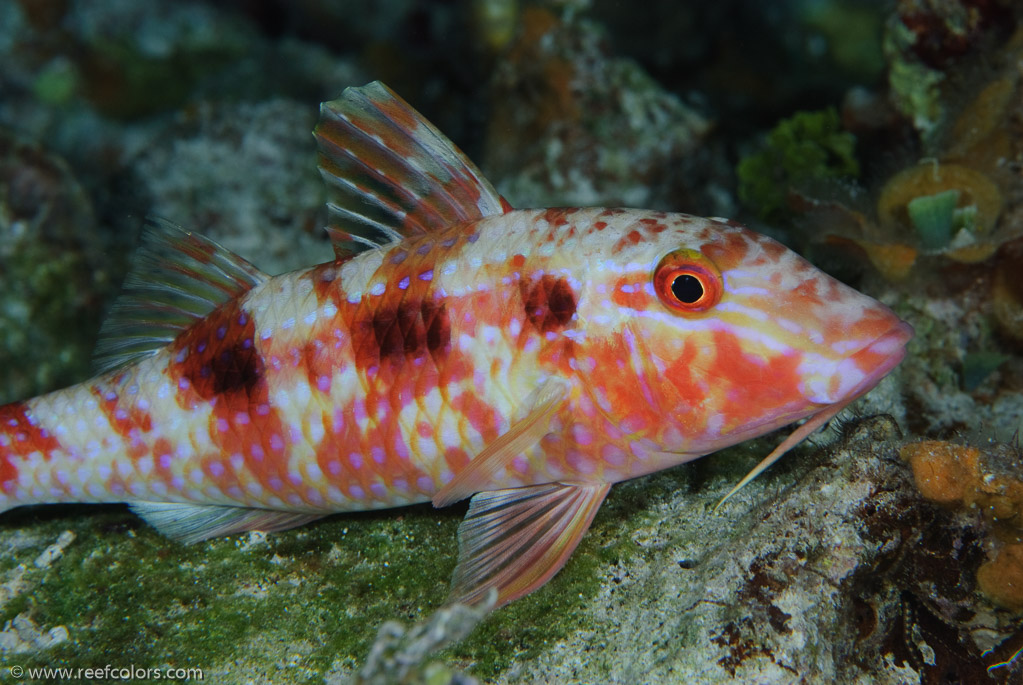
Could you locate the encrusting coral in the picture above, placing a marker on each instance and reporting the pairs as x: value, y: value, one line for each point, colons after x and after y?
x: 990, y: 480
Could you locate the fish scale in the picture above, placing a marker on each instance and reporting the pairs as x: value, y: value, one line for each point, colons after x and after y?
x: 455, y: 348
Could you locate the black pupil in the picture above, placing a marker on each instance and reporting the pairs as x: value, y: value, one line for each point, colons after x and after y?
x: 687, y: 289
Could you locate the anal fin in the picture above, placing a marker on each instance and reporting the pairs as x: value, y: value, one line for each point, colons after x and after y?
x: 188, y: 523
x: 516, y: 540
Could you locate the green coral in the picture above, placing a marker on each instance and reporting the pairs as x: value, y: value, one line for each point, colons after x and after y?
x: 933, y: 217
x: 804, y: 148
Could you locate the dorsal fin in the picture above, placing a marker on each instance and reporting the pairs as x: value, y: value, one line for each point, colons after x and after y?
x: 176, y: 278
x: 391, y: 173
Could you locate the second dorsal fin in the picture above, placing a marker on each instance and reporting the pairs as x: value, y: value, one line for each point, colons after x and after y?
x: 177, y: 278
x: 391, y: 173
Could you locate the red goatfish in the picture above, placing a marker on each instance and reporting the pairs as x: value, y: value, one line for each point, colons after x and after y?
x: 455, y: 348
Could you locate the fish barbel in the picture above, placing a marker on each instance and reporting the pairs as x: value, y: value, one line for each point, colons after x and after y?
x: 454, y: 348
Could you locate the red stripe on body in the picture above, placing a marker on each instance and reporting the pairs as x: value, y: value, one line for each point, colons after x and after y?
x: 130, y: 423
x: 22, y: 438
x: 216, y: 362
x: 400, y: 346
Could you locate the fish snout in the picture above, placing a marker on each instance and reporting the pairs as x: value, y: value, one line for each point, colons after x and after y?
x: 849, y: 377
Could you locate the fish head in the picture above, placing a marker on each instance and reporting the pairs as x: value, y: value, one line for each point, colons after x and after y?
x: 710, y: 334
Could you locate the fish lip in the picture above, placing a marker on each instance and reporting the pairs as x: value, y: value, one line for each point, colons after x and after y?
x: 844, y: 379
x: 892, y: 344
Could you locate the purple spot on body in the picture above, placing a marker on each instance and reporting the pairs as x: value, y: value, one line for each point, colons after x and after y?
x: 221, y: 332
x: 424, y: 249
x: 165, y: 461
x: 257, y: 453
x: 201, y: 347
x: 334, y: 467
x: 356, y: 492
x: 425, y: 484
x: 242, y: 319
x: 426, y: 275
x: 294, y: 478
x: 613, y: 455
x: 378, y: 454
x: 378, y: 490
x: 323, y: 383
x: 355, y: 459
x: 447, y: 242
x: 276, y: 483
x: 216, y: 469
x: 473, y: 238
x: 276, y: 442
x: 399, y: 257
x: 403, y: 283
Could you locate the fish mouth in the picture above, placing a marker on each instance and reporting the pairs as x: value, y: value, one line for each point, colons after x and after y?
x: 879, y: 358
x: 854, y: 375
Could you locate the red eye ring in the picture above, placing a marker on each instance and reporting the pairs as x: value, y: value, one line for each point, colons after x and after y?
x: 686, y: 281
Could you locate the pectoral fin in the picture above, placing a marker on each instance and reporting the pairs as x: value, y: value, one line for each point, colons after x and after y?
x: 483, y: 470
x: 516, y: 540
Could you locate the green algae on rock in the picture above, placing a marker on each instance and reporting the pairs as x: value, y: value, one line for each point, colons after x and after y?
x: 807, y: 147
x: 51, y: 272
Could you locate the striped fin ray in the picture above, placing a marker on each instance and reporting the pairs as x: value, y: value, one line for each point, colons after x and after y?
x: 177, y: 278
x: 391, y: 173
x: 516, y: 540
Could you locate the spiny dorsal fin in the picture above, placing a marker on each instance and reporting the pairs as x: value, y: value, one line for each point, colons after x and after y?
x: 176, y: 278
x: 391, y: 173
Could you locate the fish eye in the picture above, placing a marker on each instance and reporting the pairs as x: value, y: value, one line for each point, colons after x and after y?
x: 686, y: 281
x: 687, y: 288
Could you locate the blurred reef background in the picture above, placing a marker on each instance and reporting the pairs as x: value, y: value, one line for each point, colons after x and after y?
x: 883, y: 140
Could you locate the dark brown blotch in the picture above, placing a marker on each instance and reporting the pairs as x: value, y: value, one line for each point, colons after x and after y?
x: 412, y: 329
x: 221, y: 358
x: 548, y: 302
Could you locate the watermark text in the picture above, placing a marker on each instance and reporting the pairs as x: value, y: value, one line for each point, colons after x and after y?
x: 107, y: 672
